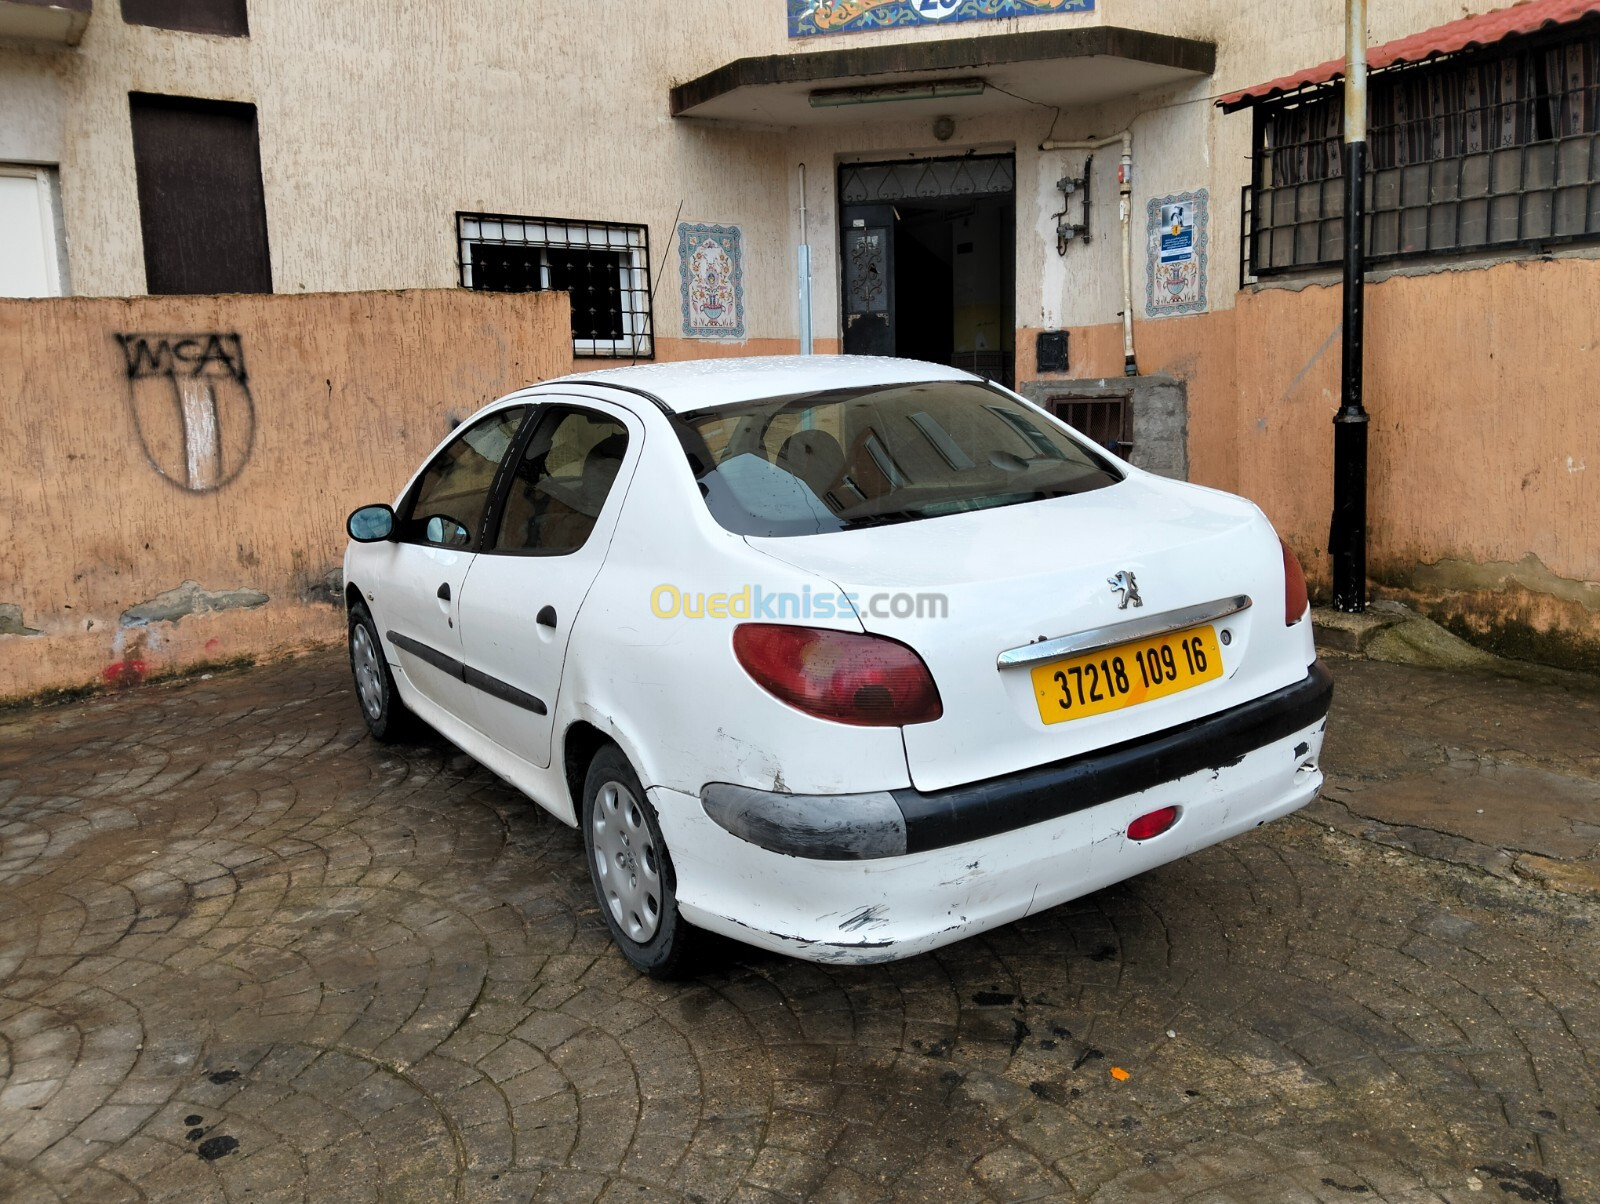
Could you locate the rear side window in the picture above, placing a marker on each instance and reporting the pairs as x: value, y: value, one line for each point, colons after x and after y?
x: 561, y: 482
x: 865, y: 457
x: 448, y: 501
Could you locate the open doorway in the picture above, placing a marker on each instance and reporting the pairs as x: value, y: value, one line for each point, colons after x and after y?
x: 929, y: 261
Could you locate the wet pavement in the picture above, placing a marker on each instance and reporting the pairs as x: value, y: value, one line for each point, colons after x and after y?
x: 248, y: 954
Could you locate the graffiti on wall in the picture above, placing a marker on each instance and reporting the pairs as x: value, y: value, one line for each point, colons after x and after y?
x: 810, y: 17
x: 191, y: 405
x: 711, y: 264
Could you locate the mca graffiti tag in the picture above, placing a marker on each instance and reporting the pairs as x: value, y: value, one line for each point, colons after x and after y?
x: 191, y: 405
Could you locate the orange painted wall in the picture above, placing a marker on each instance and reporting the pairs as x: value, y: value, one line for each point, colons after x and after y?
x: 1483, y: 386
x: 348, y: 391
x: 1197, y: 349
x: 1483, y: 502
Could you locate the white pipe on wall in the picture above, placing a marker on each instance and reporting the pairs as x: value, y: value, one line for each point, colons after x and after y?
x: 803, y: 266
x: 1130, y: 364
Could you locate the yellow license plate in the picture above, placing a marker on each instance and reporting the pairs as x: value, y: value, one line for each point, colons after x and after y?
x: 1116, y: 678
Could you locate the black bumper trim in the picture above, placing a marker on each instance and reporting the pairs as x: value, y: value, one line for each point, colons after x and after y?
x: 942, y: 818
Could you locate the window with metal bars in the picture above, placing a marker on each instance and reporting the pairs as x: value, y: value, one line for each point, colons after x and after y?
x: 1483, y: 150
x: 1108, y: 421
x: 604, y: 267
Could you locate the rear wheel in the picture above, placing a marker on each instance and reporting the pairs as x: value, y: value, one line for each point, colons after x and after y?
x: 634, y: 880
x: 386, y: 716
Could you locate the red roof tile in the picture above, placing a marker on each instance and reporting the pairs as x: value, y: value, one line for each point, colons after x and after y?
x: 1529, y: 16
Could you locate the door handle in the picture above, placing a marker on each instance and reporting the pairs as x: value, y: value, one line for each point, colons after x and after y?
x: 444, y: 592
x: 546, y: 617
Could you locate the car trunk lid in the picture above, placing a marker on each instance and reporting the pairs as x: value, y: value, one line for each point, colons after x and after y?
x: 963, y: 589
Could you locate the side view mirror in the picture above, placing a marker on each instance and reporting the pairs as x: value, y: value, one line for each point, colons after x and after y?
x: 370, y: 524
x: 445, y: 531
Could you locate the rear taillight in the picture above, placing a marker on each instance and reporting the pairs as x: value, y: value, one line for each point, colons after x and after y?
x: 865, y: 680
x: 1295, y: 600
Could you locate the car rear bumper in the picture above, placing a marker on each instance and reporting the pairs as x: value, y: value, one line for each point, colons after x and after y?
x: 888, y: 906
x: 893, y: 823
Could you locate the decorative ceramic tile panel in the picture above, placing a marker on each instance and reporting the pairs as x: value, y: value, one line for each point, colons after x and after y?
x: 1176, y: 253
x: 808, y: 18
x: 711, y: 262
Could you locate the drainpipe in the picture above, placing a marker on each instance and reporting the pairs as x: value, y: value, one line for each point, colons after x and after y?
x: 804, y: 269
x: 1130, y: 366
x: 1347, y: 536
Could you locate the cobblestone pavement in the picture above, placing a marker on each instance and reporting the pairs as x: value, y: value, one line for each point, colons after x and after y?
x: 248, y: 954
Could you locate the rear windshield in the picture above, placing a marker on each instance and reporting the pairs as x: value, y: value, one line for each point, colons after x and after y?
x: 832, y: 461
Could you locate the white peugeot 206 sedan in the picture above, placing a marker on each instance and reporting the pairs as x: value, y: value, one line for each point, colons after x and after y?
x: 842, y: 657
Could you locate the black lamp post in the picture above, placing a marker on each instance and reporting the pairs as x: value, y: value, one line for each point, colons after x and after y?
x: 1347, y: 536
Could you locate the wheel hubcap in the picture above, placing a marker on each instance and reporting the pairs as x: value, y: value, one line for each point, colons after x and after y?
x: 626, y: 862
x: 369, y: 673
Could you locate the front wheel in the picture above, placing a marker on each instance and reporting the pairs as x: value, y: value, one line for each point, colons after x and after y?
x: 634, y: 881
x: 386, y: 716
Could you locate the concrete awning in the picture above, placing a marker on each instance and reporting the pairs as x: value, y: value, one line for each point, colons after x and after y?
x: 1061, y: 67
x: 58, y: 21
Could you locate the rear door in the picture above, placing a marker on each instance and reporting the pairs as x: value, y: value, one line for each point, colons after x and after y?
x: 417, y: 594
x: 549, y: 530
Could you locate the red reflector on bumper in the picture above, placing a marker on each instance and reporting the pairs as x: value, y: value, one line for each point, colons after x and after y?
x: 1153, y: 824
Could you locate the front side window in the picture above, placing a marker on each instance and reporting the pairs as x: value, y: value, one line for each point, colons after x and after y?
x: 561, y: 482
x: 832, y: 461
x: 604, y: 267
x: 447, y: 504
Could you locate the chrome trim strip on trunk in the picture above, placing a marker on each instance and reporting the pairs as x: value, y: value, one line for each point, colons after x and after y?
x: 1098, y: 638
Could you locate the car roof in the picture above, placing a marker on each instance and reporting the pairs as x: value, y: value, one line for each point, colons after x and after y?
x: 701, y: 384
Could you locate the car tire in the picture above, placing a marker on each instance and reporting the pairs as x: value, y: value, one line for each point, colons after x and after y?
x: 634, y: 880
x: 387, y: 717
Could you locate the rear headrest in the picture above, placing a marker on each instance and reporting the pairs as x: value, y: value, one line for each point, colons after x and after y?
x: 600, y: 467
x: 813, y: 456
x: 612, y: 447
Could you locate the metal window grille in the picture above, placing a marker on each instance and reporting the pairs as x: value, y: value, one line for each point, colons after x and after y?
x: 1246, y: 271
x: 1107, y: 421
x: 976, y: 175
x: 603, y: 266
x: 998, y: 366
x: 1483, y: 150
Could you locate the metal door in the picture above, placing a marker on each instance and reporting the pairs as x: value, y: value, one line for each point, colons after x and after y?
x: 867, y: 243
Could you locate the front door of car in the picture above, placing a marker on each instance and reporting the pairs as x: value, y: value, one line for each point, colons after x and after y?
x: 551, y: 524
x: 439, y: 531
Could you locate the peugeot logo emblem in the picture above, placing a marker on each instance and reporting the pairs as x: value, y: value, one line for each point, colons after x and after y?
x: 1123, y: 583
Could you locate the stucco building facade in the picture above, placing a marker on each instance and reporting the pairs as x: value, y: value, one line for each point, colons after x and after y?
x: 675, y: 167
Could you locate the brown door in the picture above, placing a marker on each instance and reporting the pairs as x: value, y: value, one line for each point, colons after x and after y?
x: 201, y: 206
x: 229, y: 17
